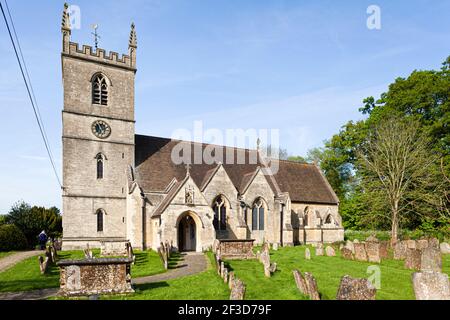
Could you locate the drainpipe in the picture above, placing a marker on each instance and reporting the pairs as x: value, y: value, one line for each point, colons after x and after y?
x: 144, y: 225
x: 281, y: 223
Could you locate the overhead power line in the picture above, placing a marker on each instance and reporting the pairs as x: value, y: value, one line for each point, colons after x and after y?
x: 28, y: 85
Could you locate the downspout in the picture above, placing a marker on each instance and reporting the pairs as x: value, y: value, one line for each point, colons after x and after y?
x: 144, y: 224
x: 281, y: 223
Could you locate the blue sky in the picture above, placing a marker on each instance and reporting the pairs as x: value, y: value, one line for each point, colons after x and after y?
x: 302, y: 67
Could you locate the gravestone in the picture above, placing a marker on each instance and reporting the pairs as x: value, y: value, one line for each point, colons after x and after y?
x: 445, y: 248
x: 231, y: 280
x: 373, y: 252
x: 275, y: 246
x: 384, y: 250
x: 222, y: 269
x: 307, y: 254
x: 330, y: 251
x: 163, y: 257
x: 349, y: 245
x: 356, y: 289
x: 360, y: 252
x: 347, y: 254
x: 372, y: 238
x: 431, y: 286
x: 273, y: 267
x: 413, y: 259
x: 421, y: 244
x: 431, y: 260
x: 88, y: 252
x: 400, y: 249
x: 215, y: 245
x: 43, y: 264
x: 433, y: 243
x: 225, y: 275
x: 411, y: 244
x: 238, y: 290
x: 319, y: 251
x: 306, y: 284
x: 130, y: 253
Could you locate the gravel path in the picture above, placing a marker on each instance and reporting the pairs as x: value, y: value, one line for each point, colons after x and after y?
x: 192, y: 263
x: 9, y: 261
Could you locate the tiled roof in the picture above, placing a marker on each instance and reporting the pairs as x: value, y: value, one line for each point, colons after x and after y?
x: 155, y: 170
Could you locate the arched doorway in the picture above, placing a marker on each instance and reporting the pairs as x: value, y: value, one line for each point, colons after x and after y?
x: 187, y: 234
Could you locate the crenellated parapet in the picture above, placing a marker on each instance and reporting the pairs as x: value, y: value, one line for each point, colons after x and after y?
x: 72, y: 49
x: 99, y: 56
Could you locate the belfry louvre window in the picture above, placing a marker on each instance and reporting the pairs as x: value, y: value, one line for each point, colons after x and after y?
x: 100, y: 166
x: 100, y: 90
x: 100, y: 217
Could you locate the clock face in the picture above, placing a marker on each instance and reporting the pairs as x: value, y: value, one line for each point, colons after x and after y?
x: 101, y: 129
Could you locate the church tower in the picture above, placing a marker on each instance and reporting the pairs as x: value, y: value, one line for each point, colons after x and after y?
x: 98, y: 140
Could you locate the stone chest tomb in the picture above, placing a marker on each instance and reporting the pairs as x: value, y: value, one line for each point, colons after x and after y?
x: 236, y: 249
x: 95, y: 276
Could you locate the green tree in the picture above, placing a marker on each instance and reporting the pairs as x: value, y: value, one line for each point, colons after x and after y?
x: 33, y: 220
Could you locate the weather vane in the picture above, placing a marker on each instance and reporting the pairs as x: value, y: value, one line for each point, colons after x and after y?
x: 96, y: 36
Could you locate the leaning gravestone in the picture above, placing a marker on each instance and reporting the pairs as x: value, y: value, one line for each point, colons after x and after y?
x: 356, y: 289
x: 360, y: 252
x: 231, y: 280
x: 413, y: 259
x: 431, y: 286
x: 431, y: 260
x: 163, y: 257
x: 307, y: 254
x: 400, y: 249
x: 349, y: 245
x: 347, y: 254
x: 238, y: 290
x: 43, y: 264
x: 373, y: 252
x: 445, y: 248
x: 306, y: 284
x: 330, y: 252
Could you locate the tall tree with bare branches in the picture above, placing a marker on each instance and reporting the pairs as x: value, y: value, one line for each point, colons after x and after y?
x: 400, y: 166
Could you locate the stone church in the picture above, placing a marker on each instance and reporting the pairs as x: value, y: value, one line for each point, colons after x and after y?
x: 120, y: 186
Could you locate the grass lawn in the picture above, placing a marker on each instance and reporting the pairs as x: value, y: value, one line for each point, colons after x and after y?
x: 395, y: 280
x: 26, y: 275
x: 203, y: 286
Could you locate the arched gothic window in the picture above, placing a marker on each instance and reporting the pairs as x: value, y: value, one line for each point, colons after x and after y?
x: 258, y: 212
x: 100, y: 165
x: 100, y: 216
x: 305, y: 219
x: 100, y: 90
x: 220, y: 213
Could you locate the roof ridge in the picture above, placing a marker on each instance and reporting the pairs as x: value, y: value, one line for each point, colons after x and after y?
x: 195, y: 142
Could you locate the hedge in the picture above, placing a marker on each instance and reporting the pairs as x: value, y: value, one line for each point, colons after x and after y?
x: 12, y: 238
